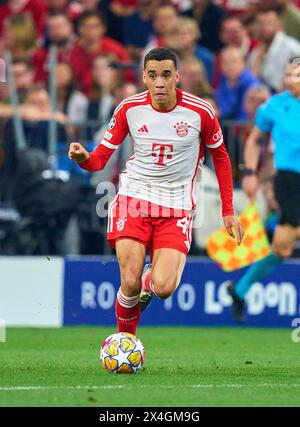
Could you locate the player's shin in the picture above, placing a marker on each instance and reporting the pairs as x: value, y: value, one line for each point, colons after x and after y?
x: 127, y: 312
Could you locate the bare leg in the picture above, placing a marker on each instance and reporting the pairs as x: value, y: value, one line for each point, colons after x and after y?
x: 167, y: 268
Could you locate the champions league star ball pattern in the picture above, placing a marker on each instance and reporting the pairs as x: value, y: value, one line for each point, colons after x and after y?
x: 122, y: 353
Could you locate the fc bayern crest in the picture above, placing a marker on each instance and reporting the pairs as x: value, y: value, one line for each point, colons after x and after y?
x: 182, y: 129
x: 121, y: 223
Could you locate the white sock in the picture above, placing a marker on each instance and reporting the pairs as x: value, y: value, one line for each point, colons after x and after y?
x: 127, y: 302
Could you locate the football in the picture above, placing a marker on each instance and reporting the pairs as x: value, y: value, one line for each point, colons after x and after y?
x: 122, y: 353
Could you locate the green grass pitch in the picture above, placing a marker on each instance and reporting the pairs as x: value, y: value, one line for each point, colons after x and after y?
x: 183, y: 367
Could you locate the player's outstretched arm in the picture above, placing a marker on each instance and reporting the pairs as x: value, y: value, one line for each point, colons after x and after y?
x: 96, y: 160
x: 251, y: 155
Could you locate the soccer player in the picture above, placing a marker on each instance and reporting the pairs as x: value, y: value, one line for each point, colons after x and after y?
x: 156, y: 199
x: 279, y: 115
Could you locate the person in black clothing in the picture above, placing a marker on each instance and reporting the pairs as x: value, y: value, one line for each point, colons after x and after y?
x: 209, y: 17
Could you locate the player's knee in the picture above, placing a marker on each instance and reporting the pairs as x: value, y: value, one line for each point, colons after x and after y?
x: 131, y: 282
x: 164, y: 288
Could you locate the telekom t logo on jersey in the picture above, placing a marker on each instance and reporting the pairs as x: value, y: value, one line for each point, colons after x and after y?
x: 163, y: 152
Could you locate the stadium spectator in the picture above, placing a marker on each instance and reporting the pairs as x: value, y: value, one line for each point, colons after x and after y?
x: 288, y: 12
x: 35, y: 108
x: 184, y: 42
x: 19, y: 36
x: 105, y: 79
x: 138, y: 28
x: 92, y: 43
x: 55, y: 6
x: 193, y: 78
x: 164, y: 24
x: 234, y: 33
x: 60, y: 33
x: 269, y: 59
x: 34, y: 8
x: 236, y: 79
x: 23, y: 76
x: 289, y: 16
x: 70, y: 101
x: 255, y: 96
x: 209, y: 17
x: 38, y: 100
x: 116, y: 13
x: 124, y: 91
x: 36, y: 113
x: 114, y: 21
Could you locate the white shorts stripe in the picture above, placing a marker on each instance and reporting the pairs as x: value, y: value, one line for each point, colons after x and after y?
x: 110, y: 218
x: 190, y: 229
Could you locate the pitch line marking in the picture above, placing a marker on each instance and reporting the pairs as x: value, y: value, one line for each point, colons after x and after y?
x: 112, y: 387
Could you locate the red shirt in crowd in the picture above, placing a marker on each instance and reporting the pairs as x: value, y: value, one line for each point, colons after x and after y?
x: 35, y: 8
x: 40, y: 62
x: 129, y: 3
x: 82, y: 61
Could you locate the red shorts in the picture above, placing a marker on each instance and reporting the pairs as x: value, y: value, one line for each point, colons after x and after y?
x: 151, y: 225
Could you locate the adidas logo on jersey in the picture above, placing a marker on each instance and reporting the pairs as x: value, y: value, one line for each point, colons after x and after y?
x: 143, y: 129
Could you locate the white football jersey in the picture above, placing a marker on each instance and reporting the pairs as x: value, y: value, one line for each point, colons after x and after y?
x: 168, y: 147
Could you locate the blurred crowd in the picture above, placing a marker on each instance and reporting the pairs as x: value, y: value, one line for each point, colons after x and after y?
x: 233, y: 53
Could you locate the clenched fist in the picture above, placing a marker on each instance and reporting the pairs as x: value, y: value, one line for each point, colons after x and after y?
x: 78, y: 152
